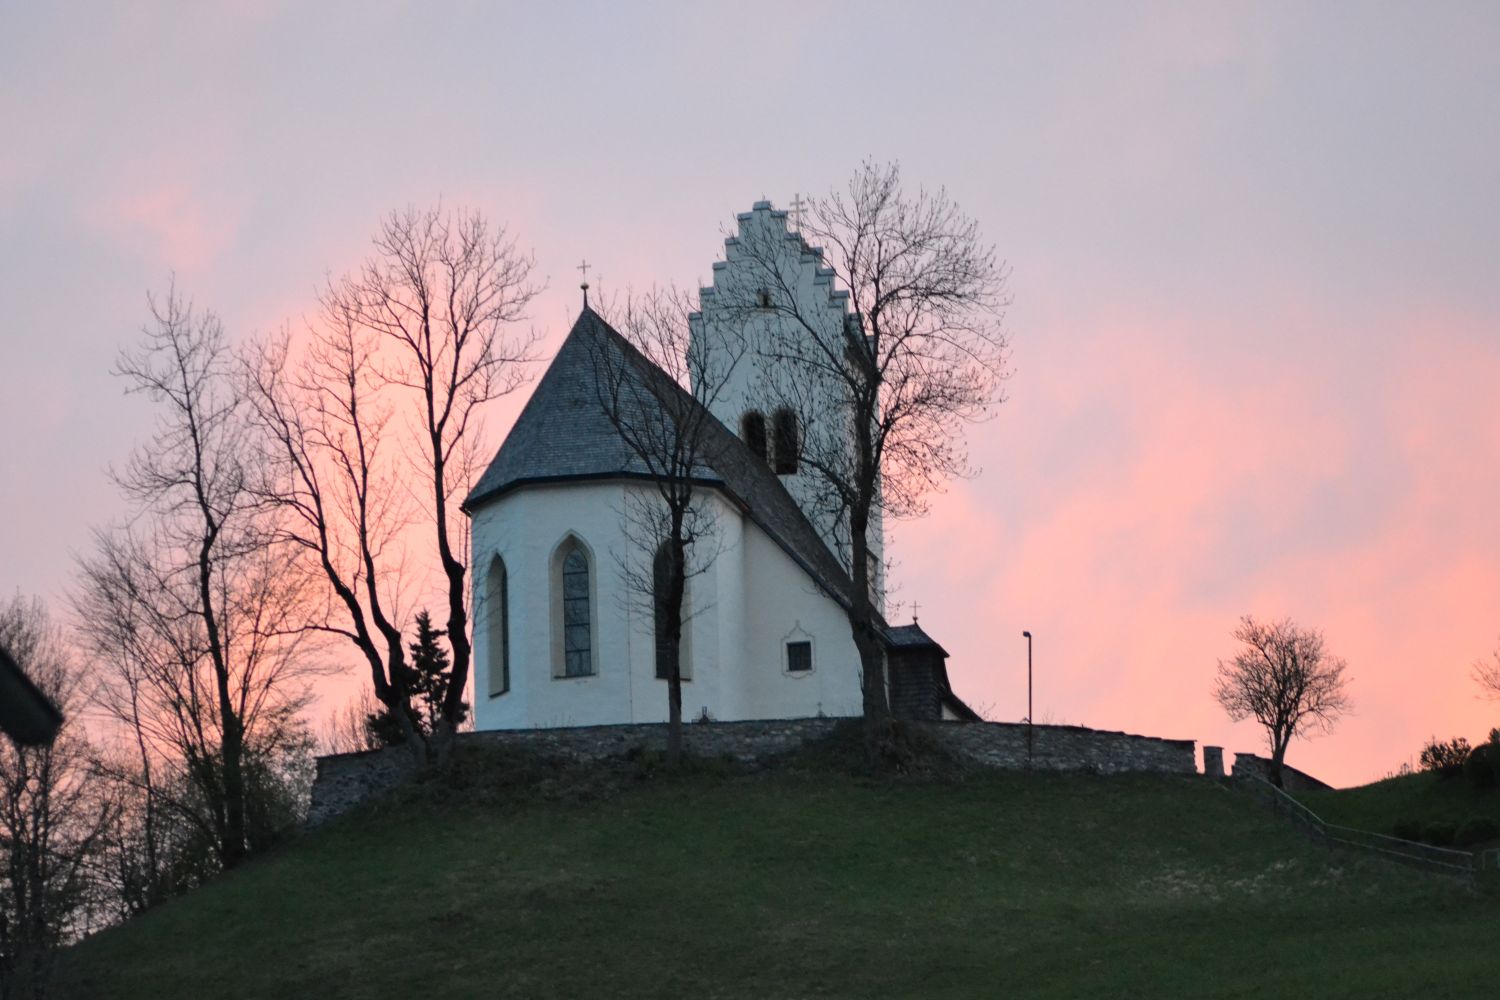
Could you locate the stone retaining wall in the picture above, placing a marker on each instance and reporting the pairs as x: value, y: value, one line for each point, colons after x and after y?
x: 346, y: 779
x: 1065, y: 748
x: 1293, y: 780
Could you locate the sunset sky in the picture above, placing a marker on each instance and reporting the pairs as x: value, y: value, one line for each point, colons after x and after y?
x: 1254, y: 261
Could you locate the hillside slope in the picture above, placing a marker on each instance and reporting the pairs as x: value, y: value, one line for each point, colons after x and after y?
x: 793, y: 884
x: 1424, y: 797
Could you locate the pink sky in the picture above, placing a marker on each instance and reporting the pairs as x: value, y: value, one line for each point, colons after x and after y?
x: 1256, y: 322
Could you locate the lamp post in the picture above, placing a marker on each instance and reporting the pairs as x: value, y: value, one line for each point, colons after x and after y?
x: 1028, y: 698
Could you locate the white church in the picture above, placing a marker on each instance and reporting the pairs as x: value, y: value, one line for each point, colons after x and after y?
x: 560, y: 642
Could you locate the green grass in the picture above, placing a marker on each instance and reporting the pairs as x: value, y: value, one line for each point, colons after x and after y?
x: 1424, y: 797
x: 811, y: 884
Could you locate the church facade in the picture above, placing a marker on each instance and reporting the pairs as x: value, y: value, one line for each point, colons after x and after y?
x: 562, y: 638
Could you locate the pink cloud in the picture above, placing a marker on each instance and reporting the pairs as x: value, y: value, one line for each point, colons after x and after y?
x: 1187, y: 493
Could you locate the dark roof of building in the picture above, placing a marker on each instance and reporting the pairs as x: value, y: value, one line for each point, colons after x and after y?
x: 564, y: 434
x: 911, y: 636
x: 26, y: 714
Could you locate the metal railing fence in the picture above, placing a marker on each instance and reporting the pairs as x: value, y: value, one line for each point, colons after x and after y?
x: 1469, y: 864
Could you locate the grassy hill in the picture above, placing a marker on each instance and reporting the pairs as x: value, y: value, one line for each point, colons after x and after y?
x: 808, y: 883
x: 1424, y: 797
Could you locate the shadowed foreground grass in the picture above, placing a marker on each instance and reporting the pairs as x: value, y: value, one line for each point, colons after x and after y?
x: 790, y: 884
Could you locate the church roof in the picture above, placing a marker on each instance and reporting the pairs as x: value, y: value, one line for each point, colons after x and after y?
x: 911, y: 637
x: 563, y: 434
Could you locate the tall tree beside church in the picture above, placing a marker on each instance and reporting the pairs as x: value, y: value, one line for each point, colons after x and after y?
x: 193, y: 612
x: 374, y: 427
x: 657, y: 385
x: 883, y: 397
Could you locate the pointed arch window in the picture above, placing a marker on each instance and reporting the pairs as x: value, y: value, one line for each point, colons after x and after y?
x: 661, y: 568
x: 574, y: 649
x: 753, y: 432
x: 497, y: 626
x: 787, y: 443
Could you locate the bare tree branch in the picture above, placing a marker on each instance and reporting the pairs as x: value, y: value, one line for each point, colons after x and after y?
x: 905, y: 347
x: 375, y: 427
x: 194, y: 611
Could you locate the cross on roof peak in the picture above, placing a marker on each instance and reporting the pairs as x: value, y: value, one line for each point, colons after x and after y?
x: 798, y: 207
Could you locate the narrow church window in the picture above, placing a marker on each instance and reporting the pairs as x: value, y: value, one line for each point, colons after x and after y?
x: 763, y: 298
x: 660, y: 578
x: 799, y: 656
x: 753, y: 432
x: 786, y: 442
x: 497, y: 618
x: 577, y: 640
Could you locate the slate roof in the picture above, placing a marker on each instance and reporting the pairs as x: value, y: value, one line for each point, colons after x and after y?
x: 563, y: 434
x: 911, y: 637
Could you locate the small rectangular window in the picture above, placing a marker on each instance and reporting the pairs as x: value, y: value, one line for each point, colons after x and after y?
x: 798, y: 657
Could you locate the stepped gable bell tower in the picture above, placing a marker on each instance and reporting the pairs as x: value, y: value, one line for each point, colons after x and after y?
x: 773, y: 299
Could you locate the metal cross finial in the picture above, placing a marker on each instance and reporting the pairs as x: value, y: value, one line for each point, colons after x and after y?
x: 915, y: 607
x: 798, y: 205
x: 584, y: 267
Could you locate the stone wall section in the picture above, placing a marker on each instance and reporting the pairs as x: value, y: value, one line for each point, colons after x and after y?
x: 1293, y: 780
x: 1065, y: 748
x: 344, y: 780
x: 1213, y: 761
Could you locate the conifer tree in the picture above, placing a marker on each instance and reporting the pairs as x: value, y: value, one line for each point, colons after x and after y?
x: 427, y: 673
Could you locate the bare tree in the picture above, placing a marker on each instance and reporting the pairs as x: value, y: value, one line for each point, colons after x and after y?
x: 1487, y: 675
x: 347, y: 728
x: 195, y: 610
x: 374, y: 426
x: 1285, y: 680
x: 657, y: 385
x: 882, y: 395
x: 51, y: 820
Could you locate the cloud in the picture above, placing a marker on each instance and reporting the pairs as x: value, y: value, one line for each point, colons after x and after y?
x: 1137, y: 502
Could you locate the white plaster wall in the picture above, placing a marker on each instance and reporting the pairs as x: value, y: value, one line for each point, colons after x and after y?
x: 750, y: 385
x: 782, y: 603
x: 525, y: 527
x: 744, y: 607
